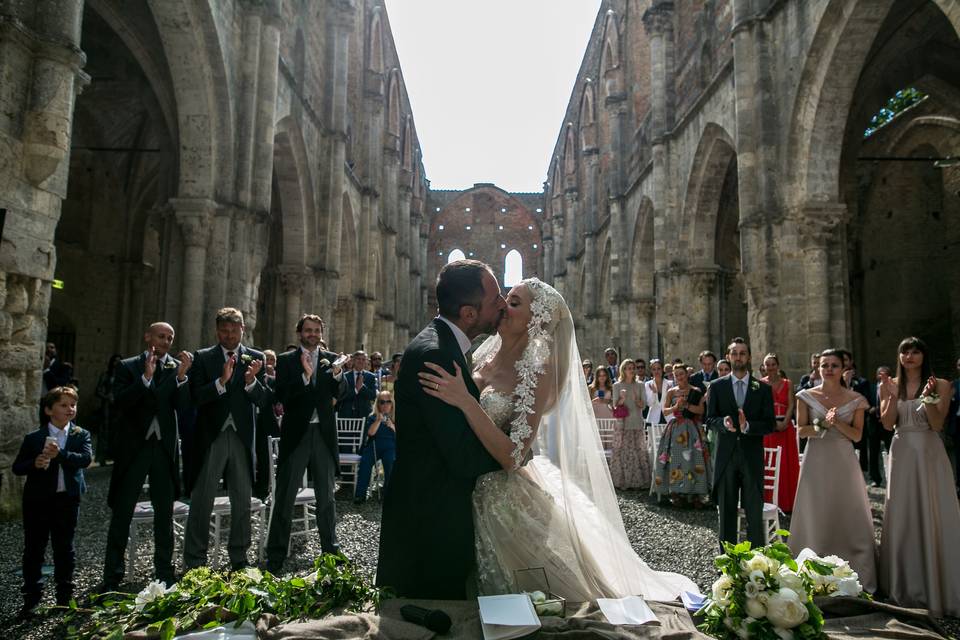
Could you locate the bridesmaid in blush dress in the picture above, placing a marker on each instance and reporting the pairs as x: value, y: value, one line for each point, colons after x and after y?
x: 831, y: 513
x: 785, y: 436
x: 919, y: 554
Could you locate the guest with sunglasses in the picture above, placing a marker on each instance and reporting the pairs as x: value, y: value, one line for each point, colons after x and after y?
x: 379, y: 443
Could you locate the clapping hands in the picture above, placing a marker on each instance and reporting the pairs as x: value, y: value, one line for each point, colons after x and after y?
x: 252, y: 370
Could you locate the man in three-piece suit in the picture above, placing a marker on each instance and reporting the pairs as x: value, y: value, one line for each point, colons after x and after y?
x: 426, y: 537
x: 741, y: 412
x: 358, y: 390
x: 306, y: 385
x: 53, y: 459
x: 148, y: 389
x: 226, y: 383
x: 708, y: 371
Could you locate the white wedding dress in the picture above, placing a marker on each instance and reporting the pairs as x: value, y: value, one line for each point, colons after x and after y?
x: 557, y: 510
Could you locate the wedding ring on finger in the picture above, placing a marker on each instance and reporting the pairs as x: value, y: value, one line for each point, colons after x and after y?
x: 438, y: 386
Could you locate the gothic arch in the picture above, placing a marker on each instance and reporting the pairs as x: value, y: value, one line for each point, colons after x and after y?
x: 570, y: 152
x: 611, y: 69
x: 375, y: 43
x: 641, y: 264
x: 291, y: 172
x: 834, y: 62
x: 407, y: 144
x: 393, y: 105
x: 698, y: 224
x: 194, y: 53
x: 588, y: 117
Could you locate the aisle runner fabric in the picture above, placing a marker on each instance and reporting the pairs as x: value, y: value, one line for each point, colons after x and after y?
x: 847, y: 619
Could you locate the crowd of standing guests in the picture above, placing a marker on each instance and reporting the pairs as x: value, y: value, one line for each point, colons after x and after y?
x: 202, y: 417
x: 831, y: 429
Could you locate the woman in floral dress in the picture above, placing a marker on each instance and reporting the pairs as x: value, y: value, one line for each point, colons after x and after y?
x: 683, y: 462
x: 630, y: 462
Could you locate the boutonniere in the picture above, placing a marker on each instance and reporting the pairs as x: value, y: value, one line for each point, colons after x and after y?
x: 74, y: 430
x: 246, y: 358
x: 323, y: 362
x: 169, y: 364
x: 754, y: 385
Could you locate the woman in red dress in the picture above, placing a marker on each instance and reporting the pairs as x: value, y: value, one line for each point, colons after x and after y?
x: 785, y: 436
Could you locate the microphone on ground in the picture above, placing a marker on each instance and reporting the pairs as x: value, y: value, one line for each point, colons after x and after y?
x: 433, y: 619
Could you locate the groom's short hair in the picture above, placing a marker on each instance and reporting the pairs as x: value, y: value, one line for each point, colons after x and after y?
x: 460, y: 283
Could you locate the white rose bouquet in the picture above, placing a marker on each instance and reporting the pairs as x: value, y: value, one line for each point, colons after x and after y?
x: 767, y: 594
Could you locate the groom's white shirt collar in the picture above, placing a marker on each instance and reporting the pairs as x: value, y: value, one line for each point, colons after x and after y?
x: 458, y: 333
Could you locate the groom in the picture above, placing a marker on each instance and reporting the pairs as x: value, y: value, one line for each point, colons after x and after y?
x: 741, y: 412
x: 426, y: 536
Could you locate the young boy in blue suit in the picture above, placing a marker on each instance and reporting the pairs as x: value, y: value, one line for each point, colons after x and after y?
x: 53, y: 458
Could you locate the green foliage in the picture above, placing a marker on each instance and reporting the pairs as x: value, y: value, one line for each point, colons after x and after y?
x: 206, y: 599
x: 901, y: 100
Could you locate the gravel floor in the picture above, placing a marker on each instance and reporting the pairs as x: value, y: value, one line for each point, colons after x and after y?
x: 667, y: 538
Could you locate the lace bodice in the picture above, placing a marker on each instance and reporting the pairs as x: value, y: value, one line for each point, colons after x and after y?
x: 499, y: 406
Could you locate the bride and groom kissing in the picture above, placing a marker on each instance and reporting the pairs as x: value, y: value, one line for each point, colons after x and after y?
x: 499, y: 463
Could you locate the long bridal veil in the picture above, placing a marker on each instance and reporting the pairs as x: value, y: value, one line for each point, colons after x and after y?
x: 569, y: 462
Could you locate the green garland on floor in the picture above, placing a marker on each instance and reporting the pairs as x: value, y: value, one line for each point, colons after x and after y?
x: 205, y: 599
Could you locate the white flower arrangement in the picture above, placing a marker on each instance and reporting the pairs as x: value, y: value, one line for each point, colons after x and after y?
x: 767, y: 594
x: 818, y: 426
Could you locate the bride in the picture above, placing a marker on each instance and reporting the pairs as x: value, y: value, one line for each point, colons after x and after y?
x: 553, y: 505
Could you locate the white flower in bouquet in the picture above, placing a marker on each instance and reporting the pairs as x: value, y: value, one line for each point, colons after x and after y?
x: 751, y: 590
x: 848, y: 587
x: 326, y: 581
x: 791, y: 580
x: 758, y: 562
x: 253, y: 574
x: 841, y: 568
x: 925, y: 399
x: 818, y: 427
x: 310, y: 578
x: 758, y: 578
x: 755, y: 608
x: 150, y: 593
x: 786, y: 609
x: 723, y: 591
x: 743, y: 631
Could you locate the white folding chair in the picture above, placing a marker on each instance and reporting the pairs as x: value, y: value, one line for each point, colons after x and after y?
x: 654, y: 435
x: 349, y: 436
x: 771, y: 482
x: 143, y: 515
x: 606, y: 426
x: 303, y: 522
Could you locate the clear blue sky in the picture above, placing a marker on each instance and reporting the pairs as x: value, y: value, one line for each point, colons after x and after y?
x: 489, y: 82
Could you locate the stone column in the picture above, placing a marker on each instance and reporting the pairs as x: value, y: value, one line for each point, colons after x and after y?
x: 293, y: 279
x: 702, y: 290
x: 817, y: 225
x: 341, y: 22
x: 194, y: 215
x: 658, y: 22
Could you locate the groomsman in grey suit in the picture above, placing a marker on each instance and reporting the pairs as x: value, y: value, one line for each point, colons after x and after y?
x: 307, y: 381
x: 227, y: 386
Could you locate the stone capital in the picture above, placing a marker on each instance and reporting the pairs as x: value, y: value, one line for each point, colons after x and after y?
x: 293, y: 278
x: 819, y: 222
x: 194, y: 215
x: 658, y: 19
x: 343, y: 14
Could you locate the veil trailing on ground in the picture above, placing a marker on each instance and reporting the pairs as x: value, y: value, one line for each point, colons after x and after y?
x: 568, y: 459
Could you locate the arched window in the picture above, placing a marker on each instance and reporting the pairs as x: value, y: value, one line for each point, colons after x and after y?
x: 513, y: 268
x: 456, y: 254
